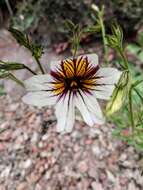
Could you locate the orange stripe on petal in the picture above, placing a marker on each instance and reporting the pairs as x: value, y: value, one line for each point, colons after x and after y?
x: 81, y: 66
x: 68, y: 66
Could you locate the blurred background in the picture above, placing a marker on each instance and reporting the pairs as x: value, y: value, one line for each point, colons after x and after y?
x: 44, y: 20
x: 32, y: 155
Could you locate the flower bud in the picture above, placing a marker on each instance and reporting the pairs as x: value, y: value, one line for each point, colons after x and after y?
x: 95, y: 7
x: 119, y: 94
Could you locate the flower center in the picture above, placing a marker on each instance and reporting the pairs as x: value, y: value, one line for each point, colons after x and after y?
x: 73, y: 84
x: 74, y: 74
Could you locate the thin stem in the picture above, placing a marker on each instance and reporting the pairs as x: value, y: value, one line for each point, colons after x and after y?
x: 137, y: 83
x: 9, y: 7
x: 76, y: 41
x: 131, y: 110
x: 100, y: 16
x: 39, y: 64
x: 33, y: 54
x: 30, y: 70
x: 137, y: 92
x: 122, y: 54
x: 14, y: 78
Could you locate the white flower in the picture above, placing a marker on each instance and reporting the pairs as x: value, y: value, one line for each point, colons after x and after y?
x: 77, y: 82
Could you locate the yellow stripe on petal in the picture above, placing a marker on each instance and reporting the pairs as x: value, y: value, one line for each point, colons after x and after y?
x: 81, y: 66
x: 58, y: 88
x: 68, y: 66
x: 58, y: 91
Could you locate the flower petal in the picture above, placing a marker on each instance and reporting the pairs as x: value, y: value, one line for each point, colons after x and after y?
x: 38, y: 82
x: 93, y: 58
x: 65, y: 114
x: 39, y: 99
x: 55, y: 64
x: 89, y: 108
x: 108, y: 77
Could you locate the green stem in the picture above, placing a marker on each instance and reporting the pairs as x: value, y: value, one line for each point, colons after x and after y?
x: 39, y: 64
x: 30, y: 70
x: 76, y: 41
x: 131, y: 110
x: 122, y: 54
x: 137, y: 83
x: 9, y: 7
x: 14, y: 78
x: 138, y: 93
x: 100, y: 13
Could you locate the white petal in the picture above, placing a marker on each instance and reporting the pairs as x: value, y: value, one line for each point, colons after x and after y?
x: 90, y: 109
x: 38, y: 82
x: 65, y: 114
x: 39, y: 99
x: 55, y: 64
x: 103, y: 92
x: 93, y: 58
x: 109, y: 77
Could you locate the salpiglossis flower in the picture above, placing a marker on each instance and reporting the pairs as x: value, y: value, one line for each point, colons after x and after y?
x: 73, y: 83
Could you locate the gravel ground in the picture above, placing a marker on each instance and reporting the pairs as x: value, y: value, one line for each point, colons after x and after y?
x: 34, y: 157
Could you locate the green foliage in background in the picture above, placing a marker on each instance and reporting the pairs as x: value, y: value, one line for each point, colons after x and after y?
x: 129, y: 13
x: 42, y: 17
x: 2, y: 92
x: 121, y: 118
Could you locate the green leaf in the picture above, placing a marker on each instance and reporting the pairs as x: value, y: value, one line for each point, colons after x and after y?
x: 9, y: 66
x: 2, y: 92
x: 112, y: 41
x: 3, y: 74
x: 92, y: 29
x: 133, y: 48
x: 37, y: 50
x: 140, y: 39
x: 21, y: 38
x: 70, y: 25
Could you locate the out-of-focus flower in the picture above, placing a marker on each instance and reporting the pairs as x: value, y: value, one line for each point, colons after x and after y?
x: 73, y: 82
x: 95, y: 7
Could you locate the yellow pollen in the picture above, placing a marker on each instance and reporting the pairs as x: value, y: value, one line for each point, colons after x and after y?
x: 73, y: 83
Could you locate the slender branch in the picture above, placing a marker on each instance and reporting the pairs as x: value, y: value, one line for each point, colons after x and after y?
x: 131, y: 111
x: 100, y: 16
x: 39, y: 64
x: 137, y: 83
x: 9, y: 7
x: 122, y: 54
x: 14, y: 78
x: 137, y: 92
x: 30, y: 70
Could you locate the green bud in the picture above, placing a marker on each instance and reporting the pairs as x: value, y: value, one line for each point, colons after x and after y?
x: 95, y: 7
x: 37, y: 50
x: 70, y: 25
x: 116, y: 39
x: 3, y: 74
x: 11, y: 66
x: 92, y: 29
x: 20, y: 37
x: 119, y: 94
x: 112, y: 41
